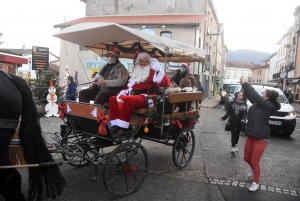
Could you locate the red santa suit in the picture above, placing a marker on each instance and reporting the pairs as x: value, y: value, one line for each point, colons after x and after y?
x: 122, y: 106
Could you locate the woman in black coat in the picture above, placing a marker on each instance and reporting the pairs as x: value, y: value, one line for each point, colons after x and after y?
x: 258, y: 128
x: 237, y: 112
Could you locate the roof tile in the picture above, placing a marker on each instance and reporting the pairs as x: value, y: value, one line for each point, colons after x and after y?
x: 179, y: 19
x: 239, y: 64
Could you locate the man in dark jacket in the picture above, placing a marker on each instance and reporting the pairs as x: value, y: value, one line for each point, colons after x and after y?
x: 183, y: 72
x: 71, y: 90
x: 110, y: 80
x: 258, y: 128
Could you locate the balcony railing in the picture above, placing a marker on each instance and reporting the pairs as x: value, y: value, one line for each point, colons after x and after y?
x: 276, y: 75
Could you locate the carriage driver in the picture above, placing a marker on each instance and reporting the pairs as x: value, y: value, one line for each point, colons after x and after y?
x: 110, y: 81
x: 145, y: 79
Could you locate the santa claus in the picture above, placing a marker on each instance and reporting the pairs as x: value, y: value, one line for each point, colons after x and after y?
x: 146, y: 78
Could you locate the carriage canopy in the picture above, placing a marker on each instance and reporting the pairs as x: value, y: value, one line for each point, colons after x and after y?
x: 102, y: 37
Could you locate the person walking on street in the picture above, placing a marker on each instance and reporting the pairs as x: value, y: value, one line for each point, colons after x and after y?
x: 258, y: 128
x: 71, y: 89
x: 237, y: 113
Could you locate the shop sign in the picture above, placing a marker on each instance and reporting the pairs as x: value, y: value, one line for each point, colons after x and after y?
x: 40, y: 58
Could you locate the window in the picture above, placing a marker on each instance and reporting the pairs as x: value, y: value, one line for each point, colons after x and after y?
x: 242, y: 73
x: 234, y: 71
x: 259, y: 80
x: 82, y: 48
x: 228, y: 76
x: 149, y: 31
x: 166, y: 34
x: 256, y: 80
x: 200, y: 45
x: 253, y: 81
x: 234, y: 77
x: 259, y: 72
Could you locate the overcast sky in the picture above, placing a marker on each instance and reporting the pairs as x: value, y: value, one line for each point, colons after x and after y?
x: 249, y: 24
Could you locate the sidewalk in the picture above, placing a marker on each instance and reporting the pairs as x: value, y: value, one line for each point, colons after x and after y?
x: 296, y: 106
x: 212, y: 102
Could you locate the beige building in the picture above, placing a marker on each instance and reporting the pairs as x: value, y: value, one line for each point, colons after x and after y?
x: 261, y: 73
x: 167, y: 18
x: 235, y: 70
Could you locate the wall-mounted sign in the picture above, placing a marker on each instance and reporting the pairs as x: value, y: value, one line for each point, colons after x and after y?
x: 40, y: 58
x: 99, y: 64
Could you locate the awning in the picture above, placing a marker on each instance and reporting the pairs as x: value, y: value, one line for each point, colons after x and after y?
x: 103, y: 37
x: 12, y: 59
x: 295, y: 80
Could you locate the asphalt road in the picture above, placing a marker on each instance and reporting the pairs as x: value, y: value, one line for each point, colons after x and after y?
x: 213, y: 174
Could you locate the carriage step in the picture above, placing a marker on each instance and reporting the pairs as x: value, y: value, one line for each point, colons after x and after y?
x: 124, y: 136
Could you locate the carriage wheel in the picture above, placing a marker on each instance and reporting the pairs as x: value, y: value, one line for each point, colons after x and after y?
x: 71, y: 139
x: 183, y: 148
x: 126, y: 169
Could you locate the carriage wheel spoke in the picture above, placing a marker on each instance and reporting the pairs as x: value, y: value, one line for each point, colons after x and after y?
x: 114, y: 178
x: 135, y: 163
x: 126, y: 182
x: 133, y: 155
x: 135, y: 179
x: 182, y: 158
x: 188, y: 151
x: 178, y: 154
x: 120, y: 160
x: 119, y: 185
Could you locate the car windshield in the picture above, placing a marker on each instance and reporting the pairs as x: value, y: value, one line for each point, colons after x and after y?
x: 232, y: 88
x: 281, y: 98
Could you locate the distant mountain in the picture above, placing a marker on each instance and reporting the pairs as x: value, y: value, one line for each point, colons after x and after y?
x: 245, y: 55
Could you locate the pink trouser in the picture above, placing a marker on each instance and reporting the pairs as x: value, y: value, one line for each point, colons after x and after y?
x: 253, y: 150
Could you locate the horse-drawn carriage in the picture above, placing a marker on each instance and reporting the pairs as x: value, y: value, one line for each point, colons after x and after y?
x: 126, y: 166
x: 86, y: 132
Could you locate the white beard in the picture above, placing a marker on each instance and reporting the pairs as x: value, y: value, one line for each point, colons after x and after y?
x: 140, y: 74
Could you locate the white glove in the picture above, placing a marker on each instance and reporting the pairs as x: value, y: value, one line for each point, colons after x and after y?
x: 155, y: 64
x: 123, y: 92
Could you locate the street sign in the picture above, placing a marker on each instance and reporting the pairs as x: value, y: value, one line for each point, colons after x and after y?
x: 40, y: 58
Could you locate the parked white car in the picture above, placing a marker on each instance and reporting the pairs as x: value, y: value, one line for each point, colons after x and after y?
x: 284, y: 121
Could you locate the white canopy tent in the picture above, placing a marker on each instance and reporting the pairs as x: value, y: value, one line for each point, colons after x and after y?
x: 102, y: 37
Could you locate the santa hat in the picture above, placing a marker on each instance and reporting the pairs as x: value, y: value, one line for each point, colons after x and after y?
x: 187, y: 64
x: 114, y: 52
x: 51, y: 83
x: 135, y: 56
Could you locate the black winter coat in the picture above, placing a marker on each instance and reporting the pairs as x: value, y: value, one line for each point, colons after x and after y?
x: 259, y: 113
x: 233, y: 118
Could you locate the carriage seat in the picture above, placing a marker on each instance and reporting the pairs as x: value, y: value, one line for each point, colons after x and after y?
x: 138, y: 110
x: 186, y: 97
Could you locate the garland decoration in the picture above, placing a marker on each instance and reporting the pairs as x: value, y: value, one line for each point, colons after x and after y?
x: 137, y: 47
x: 174, y: 123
